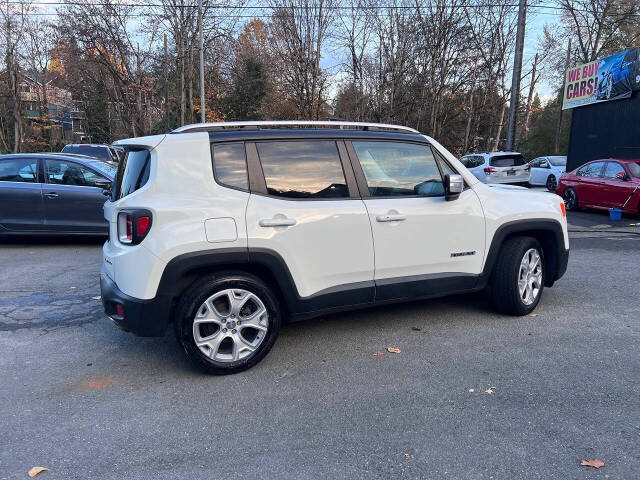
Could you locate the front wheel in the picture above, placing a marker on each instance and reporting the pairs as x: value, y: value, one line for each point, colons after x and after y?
x: 570, y: 198
x: 552, y: 183
x: 518, y: 276
x: 227, y: 323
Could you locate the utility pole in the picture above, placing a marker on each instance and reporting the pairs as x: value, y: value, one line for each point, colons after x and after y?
x: 515, y: 79
x: 556, y: 149
x: 166, y: 85
x: 201, y: 48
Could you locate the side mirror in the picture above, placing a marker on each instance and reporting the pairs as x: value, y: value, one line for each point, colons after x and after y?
x: 622, y: 176
x: 453, y: 186
x: 105, y: 185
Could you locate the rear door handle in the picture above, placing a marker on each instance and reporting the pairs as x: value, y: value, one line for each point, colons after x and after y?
x: 277, y: 222
x: 51, y: 195
x: 390, y: 218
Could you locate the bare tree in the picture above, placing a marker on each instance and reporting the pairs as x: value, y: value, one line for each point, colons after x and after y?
x: 600, y: 27
x: 13, y: 16
x: 110, y: 39
x: 299, y: 29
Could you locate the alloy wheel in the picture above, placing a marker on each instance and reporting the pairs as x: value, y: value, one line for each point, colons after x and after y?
x: 551, y: 183
x: 230, y: 325
x: 570, y: 199
x: 530, y: 276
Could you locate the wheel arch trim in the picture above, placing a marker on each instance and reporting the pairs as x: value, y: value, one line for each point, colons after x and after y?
x: 547, y: 231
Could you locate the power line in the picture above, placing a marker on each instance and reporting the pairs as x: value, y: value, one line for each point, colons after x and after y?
x: 541, y: 6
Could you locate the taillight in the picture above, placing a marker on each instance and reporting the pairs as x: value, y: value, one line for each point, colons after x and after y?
x: 133, y: 226
x: 143, y: 225
x: 125, y: 227
x: 490, y: 170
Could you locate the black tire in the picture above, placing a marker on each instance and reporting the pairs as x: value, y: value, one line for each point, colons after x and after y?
x: 570, y: 198
x: 552, y: 183
x: 194, y: 298
x: 505, y: 295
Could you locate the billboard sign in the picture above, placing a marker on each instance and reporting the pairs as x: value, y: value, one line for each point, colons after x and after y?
x: 608, y: 78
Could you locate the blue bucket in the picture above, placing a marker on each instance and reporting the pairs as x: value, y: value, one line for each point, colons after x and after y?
x: 615, y: 214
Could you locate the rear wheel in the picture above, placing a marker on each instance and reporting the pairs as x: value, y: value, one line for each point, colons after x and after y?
x: 552, y: 183
x: 228, y: 323
x: 570, y: 198
x: 518, y: 276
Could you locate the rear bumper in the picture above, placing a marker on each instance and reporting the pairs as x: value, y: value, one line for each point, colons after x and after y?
x: 145, y: 318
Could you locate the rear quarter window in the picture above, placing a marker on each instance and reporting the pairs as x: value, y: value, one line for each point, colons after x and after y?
x: 133, y: 173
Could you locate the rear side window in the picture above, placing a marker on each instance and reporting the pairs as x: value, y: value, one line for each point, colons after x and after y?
x: 230, y: 165
x: 18, y: 170
x: 133, y: 173
x: 309, y: 169
x: 506, y: 161
x: 591, y: 170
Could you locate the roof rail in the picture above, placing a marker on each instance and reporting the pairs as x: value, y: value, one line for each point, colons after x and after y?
x: 205, y: 127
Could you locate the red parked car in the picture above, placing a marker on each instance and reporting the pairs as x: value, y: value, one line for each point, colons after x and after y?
x: 603, y: 184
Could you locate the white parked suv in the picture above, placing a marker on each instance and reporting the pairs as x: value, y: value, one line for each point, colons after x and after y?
x: 498, y: 167
x: 227, y: 230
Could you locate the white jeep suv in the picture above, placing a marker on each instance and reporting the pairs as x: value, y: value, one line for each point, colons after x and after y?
x: 227, y: 230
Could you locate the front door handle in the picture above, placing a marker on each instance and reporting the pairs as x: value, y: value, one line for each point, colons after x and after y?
x: 51, y: 195
x: 390, y: 218
x: 277, y: 222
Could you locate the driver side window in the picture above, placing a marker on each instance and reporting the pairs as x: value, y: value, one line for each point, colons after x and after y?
x: 69, y: 173
x: 399, y: 169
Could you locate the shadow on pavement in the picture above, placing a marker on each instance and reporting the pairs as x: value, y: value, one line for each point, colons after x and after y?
x: 51, y: 240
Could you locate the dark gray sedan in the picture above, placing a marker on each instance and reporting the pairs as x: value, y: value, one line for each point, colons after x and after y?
x: 49, y: 193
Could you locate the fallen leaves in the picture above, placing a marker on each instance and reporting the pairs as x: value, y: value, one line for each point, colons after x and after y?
x: 393, y: 350
x: 595, y: 463
x: 488, y: 391
x: 36, y: 470
x: 533, y: 314
x: 407, y: 455
x: 378, y: 354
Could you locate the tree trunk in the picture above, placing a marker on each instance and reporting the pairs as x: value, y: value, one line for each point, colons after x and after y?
x: 467, y: 131
x: 532, y: 86
x: 496, y: 144
x: 191, y: 83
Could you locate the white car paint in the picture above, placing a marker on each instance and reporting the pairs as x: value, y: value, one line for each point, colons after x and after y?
x: 482, y: 166
x: 324, y: 243
x: 543, y: 167
x: 330, y: 243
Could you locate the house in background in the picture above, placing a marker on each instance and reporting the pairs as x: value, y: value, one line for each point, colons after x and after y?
x: 65, y: 121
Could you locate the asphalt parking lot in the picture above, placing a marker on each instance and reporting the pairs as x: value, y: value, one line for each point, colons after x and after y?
x: 472, y: 395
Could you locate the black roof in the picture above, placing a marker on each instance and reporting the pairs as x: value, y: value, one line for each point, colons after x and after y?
x: 306, y: 133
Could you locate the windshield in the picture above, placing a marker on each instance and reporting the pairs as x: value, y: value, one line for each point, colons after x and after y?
x: 108, y: 168
x: 90, y: 151
x: 634, y: 168
x: 506, y: 161
x: 558, y: 161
